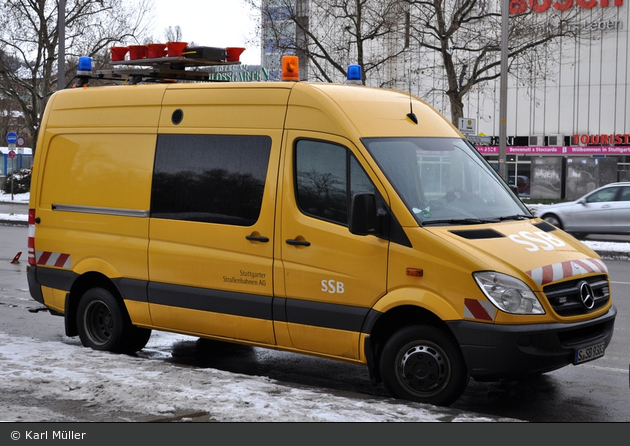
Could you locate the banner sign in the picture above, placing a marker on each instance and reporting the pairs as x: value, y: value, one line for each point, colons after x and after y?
x: 521, y: 6
x: 542, y: 150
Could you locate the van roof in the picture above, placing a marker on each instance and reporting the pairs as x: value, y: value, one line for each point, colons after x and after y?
x: 335, y: 108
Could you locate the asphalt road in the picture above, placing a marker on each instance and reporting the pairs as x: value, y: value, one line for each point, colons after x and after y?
x: 597, y: 391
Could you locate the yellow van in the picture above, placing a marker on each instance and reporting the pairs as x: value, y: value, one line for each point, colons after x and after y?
x: 336, y: 220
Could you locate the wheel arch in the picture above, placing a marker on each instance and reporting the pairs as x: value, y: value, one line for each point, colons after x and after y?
x: 83, y: 283
x: 384, y: 325
x: 553, y: 218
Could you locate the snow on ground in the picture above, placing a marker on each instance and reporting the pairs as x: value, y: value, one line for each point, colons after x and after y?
x: 59, y: 370
x: 17, y: 198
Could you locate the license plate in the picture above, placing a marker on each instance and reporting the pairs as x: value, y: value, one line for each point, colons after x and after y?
x: 588, y: 353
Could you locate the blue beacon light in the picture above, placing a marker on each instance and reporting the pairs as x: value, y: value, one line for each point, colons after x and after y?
x: 354, y: 75
x: 85, y: 66
x: 84, y: 71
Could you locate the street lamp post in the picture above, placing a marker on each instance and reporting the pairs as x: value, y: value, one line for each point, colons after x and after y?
x: 503, y: 92
x: 61, y: 64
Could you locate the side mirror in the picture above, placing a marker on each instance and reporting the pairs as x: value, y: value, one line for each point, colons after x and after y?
x: 363, y: 215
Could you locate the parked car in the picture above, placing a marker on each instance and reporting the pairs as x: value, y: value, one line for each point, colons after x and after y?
x: 519, y: 185
x: 603, y: 211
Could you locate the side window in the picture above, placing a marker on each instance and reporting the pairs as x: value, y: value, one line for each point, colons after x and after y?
x: 625, y: 194
x: 210, y: 178
x: 326, y: 177
x: 607, y: 194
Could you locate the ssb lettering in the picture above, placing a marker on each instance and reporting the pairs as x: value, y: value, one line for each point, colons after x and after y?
x: 537, y: 240
x: 333, y: 287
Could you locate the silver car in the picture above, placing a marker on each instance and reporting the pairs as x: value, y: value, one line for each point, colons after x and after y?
x: 603, y: 211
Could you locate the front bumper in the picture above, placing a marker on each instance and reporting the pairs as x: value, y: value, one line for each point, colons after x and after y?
x: 493, y: 352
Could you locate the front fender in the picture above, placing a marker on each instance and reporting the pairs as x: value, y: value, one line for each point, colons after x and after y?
x: 432, y: 302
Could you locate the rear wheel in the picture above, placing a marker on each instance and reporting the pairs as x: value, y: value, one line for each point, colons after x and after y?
x: 103, y: 324
x: 422, y: 363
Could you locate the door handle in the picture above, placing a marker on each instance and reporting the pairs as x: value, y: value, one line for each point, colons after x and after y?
x: 298, y: 242
x: 257, y: 238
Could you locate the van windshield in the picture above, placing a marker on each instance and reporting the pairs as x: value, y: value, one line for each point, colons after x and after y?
x: 445, y: 181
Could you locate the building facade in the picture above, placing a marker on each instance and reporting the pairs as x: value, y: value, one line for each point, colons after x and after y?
x: 571, y: 102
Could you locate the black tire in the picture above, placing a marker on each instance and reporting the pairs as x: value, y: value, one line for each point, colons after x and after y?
x: 553, y: 219
x: 103, y: 324
x: 424, y: 364
x: 137, y: 340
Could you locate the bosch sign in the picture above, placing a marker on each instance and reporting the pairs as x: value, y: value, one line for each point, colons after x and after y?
x: 521, y: 6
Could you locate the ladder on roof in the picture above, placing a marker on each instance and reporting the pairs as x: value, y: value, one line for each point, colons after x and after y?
x: 171, y: 69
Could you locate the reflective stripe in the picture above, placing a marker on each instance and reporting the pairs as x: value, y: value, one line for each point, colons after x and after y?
x: 48, y: 258
x: 557, y: 271
x: 479, y: 309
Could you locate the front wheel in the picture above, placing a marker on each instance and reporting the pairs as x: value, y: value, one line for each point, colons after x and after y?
x: 422, y: 363
x: 103, y: 324
x: 553, y: 219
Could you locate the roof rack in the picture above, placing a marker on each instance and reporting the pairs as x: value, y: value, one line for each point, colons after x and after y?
x: 139, y: 68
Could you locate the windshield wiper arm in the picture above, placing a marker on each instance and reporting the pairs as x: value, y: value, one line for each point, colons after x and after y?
x: 458, y: 221
x: 516, y: 217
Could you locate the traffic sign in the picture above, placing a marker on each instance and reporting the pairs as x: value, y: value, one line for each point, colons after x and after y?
x: 467, y: 126
x: 20, y: 141
x: 480, y: 139
x: 12, y: 137
x: 11, y: 154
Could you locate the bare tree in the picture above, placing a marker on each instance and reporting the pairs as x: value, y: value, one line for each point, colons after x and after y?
x: 29, y: 39
x: 329, y: 35
x: 463, y: 37
x: 441, y: 47
x: 173, y: 34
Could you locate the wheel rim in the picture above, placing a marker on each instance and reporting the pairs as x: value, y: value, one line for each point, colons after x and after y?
x: 423, y: 368
x: 99, y: 323
x: 553, y: 220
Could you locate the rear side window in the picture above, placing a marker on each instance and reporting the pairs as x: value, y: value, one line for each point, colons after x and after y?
x: 625, y: 194
x: 210, y: 178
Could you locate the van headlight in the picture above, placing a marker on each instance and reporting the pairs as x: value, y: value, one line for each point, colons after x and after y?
x: 508, y: 293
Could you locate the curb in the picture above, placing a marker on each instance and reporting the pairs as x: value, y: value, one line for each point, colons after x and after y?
x: 13, y: 223
x: 613, y: 255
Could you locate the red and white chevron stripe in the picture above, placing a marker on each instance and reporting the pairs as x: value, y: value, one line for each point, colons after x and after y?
x: 479, y: 309
x: 48, y: 258
x: 557, y: 271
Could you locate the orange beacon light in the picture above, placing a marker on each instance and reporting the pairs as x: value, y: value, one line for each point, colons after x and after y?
x: 290, y: 69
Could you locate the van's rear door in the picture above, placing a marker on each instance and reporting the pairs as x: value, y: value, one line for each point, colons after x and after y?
x: 213, y: 202
x: 211, y: 235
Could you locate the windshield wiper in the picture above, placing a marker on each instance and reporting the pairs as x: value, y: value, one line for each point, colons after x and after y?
x: 458, y: 221
x: 516, y: 217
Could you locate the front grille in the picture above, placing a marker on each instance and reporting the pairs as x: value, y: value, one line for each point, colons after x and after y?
x: 565, y: 299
